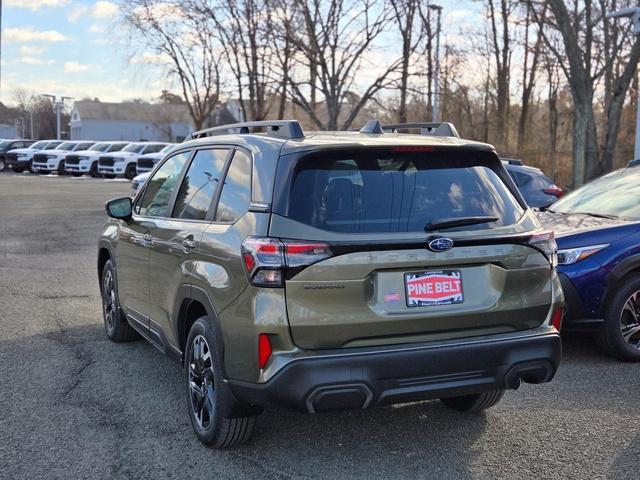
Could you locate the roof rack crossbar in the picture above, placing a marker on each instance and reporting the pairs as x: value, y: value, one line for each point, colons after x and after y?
x: 289, y: 129
x: 437, y: 129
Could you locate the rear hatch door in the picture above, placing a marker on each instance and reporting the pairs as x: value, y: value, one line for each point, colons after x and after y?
x: 398, y: 271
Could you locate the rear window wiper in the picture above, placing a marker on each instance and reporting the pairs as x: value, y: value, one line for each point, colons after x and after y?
x: 443, y: 223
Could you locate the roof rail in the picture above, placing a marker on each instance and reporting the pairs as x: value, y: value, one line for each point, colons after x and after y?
x: 436, y: 129
x: 289, y: 129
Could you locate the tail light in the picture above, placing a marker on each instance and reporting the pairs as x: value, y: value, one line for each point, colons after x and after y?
x: 555, y: 191
x: 267, y: 260
x: 546, y: 243
x: 556, y: 318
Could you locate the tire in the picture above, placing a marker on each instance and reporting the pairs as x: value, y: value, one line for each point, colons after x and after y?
x: 18, y: 170
x: 130, y: 171
x: 61, y: 170
x: 2, y: 165
x: 93, y: 171
x: 474, y: 403
x: 115, y: 323
x: 109, y: 175
x: 210, y: 416
x: 76, y: 174
x: 622, y: 311
x: 29, y: 167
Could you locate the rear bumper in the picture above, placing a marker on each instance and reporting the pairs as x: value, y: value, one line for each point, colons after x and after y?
x: 362, y: 378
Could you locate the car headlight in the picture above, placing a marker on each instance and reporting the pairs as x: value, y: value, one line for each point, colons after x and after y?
x: 22, y: 155
x: 83, y: 158
x: 51, y: 157
x: 118, y: 159
x: 569, y: 256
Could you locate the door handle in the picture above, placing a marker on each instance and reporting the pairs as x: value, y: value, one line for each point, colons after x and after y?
x: 189, y: 244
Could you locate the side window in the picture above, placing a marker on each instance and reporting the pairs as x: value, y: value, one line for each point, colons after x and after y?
x: 157, y: 195
x: 116, y: 147
x: 199, y: 185
x: 236, y: 192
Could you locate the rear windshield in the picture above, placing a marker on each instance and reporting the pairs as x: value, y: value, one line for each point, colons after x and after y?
x: 370, y: 191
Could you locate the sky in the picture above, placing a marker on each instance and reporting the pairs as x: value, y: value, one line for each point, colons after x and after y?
x: 76, y: 48
x: 72, y: 48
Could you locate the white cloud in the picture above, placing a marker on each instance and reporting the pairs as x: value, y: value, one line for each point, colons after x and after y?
x: 28, y: 34
x: 96, y: 28
x: 31, y: 50
x: 75, y: 67
x: 35, y: 61
x: 103, y: 9
x: 77, y: 12
x: 35, y: 4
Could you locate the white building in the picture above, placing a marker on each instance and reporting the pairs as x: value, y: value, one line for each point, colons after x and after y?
x: 93, y: 120
x: 8, y: 131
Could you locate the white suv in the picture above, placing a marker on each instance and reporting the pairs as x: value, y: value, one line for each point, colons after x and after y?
x: 125, y: 162
x: 54, y: 160
x: 86, y: 161
x: 147, y: 162
x: 21, y: 159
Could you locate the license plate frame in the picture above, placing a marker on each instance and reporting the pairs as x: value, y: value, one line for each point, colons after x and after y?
x: 421, y: 293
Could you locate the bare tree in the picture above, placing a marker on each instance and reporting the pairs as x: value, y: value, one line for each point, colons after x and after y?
x: 334, y: 41
x: 531, y: 54
x: 189, y: 46
x: 588, y: 52
x: 499, y: 19
x: 243, y: 28
x: 404, y: 16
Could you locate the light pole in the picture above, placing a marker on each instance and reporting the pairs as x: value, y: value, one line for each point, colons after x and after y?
x: 634, y: 13
x: 435, y: 115
x: 58, y: 103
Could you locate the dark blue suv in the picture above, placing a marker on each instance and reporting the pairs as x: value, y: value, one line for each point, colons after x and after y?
x: 598, y: 234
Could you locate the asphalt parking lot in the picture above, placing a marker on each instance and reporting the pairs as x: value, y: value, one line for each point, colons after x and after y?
x: 74, y: 405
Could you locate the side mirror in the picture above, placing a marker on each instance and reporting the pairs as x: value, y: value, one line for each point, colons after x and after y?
x: 120, y: 208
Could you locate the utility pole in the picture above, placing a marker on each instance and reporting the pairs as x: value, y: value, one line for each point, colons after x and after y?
x: 58, y: 103
x: 634, y: 14
x: 435, y: 114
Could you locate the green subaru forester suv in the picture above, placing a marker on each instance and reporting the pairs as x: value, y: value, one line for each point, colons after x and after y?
x: 332, y: 270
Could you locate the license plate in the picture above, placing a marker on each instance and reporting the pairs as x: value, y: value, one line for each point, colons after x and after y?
x: 425, y: 289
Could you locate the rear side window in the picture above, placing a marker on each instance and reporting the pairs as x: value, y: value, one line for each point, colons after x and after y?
x: 157, y: 194
x: 236, y: 193
x: 199, y: 185
x: 384, y: 191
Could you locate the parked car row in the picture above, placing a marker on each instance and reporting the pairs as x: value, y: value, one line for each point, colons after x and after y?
x: 108, y: 159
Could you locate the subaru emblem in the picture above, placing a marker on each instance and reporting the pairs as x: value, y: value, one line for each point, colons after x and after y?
x: 441, y: 244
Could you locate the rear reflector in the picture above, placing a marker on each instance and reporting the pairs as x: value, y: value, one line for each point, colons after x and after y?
x: 556, y: 318
x: 264, y: 350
